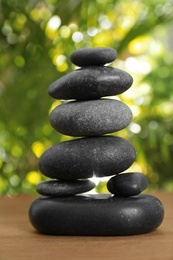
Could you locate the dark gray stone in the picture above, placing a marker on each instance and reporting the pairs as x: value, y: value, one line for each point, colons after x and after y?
x: 93, y: 56
x: 87, y: 157
x: 127, y: 184
x: 57, y: 188
x: 90, y: 118
x: 91, y: 83
x: 96, y: 215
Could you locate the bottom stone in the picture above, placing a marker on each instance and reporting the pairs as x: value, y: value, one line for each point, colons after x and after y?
x: 96, y: 215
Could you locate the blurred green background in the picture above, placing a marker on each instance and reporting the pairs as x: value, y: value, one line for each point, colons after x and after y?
x: 37, y: 38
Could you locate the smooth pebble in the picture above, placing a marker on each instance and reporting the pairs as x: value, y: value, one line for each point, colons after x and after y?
x: 127, y: 184
x: 87, y: 157
x: 56, y: 188
x: 93, y: 56
x: 91, y: 83
x: 96, y: 215
x: 90, y: 118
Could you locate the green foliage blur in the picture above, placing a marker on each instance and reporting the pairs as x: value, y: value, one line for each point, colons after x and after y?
x: 37, y: 38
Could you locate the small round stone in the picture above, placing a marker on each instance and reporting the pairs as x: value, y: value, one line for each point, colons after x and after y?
x: 96, y: 215
x: 91, y: 83
x: 90, y: 118
x: 87, y: 157
x: 57, y: 188
x: 127, y: 184
x: 93, y: 56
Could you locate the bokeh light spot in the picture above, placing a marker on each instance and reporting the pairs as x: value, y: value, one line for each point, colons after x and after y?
x: 135, y: 110
x: 73, y: 26
x: 21, y: 131
x: 8, y: 168
x: 62, y: 67
x: 60, y: 62
x: 92, y: 31
x: 138, y: 45
x: 12, y: 38
x: 135, y: 128
x: 60, y: 59
x: 33, y: 177
x: 19, y: 22
x: 47, y: 130
x: 168, y: 139
x: 35, y: 15
x: 54, y: 22
x: 38, y: 148
x: 103, y: 38
x: 15, y: 180
x: 16, y: 151
x: 52, y: 27
x: 77, y: 37
x: 137, y: 66
x: 153, y: 125
x: 104, y: 22
x: 6, y: 29
x: 19, y: 61
x: 65, y: 31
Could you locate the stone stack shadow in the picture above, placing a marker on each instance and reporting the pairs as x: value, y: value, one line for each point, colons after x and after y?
x: 65, y: 208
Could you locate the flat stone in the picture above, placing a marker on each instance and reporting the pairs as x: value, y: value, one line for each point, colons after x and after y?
x: 57, y: 188
x: 87, y: 157
x: 96, y: 215
x: 127, y: 184
x: 91, y: 83
x: 90, y: 118
x: 93, y: 56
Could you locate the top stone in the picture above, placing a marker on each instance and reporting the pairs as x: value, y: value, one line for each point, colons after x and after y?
x: 93, y: 56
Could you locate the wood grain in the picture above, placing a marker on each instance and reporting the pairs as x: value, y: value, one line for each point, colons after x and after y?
x: 19, y: 240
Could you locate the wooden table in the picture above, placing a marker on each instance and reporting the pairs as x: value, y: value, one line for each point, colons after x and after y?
x: 19, y: 240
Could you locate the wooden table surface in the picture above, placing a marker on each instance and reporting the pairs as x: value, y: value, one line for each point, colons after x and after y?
x: 19, y: 240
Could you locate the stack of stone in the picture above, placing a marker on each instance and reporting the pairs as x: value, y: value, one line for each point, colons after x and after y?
x: 63, y: 211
